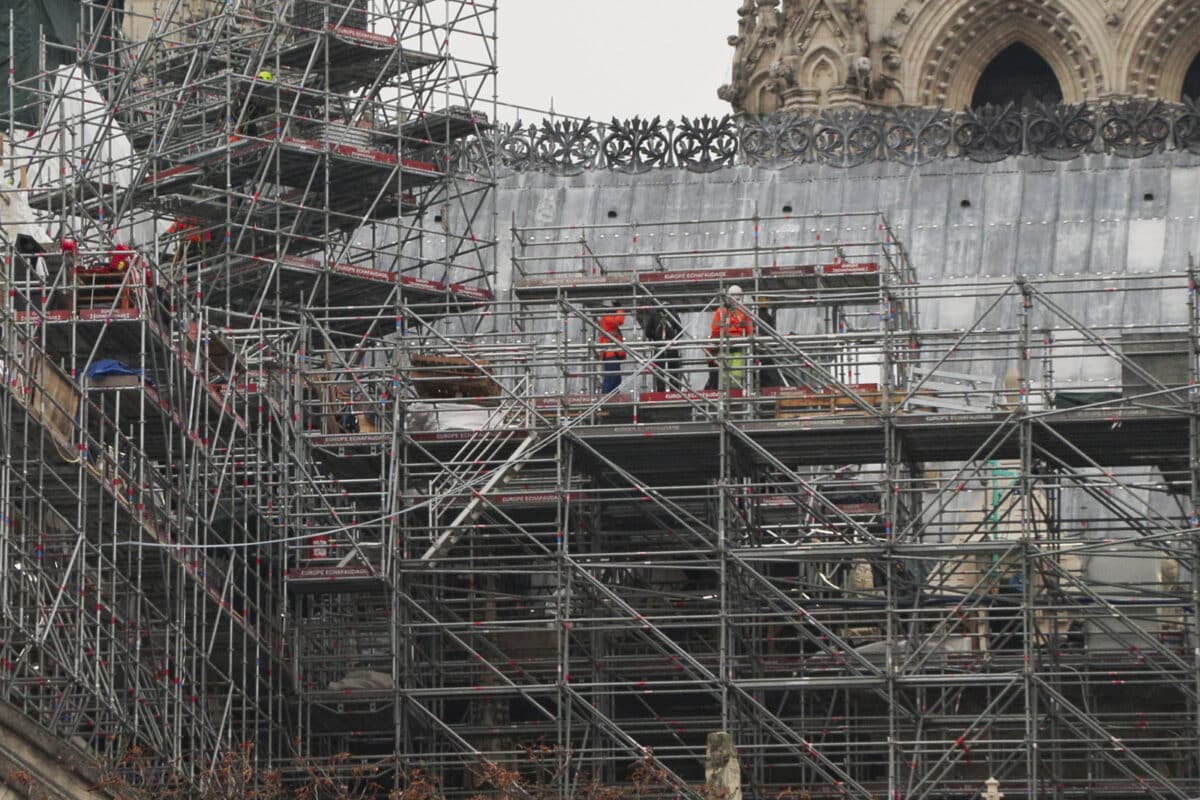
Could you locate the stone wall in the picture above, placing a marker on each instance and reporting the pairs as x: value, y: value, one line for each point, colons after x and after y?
x: 806, y: 54
x: 141, y: 14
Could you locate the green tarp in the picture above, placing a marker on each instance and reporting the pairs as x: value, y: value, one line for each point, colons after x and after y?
x: 59, y: 22
x: 1077, y: 399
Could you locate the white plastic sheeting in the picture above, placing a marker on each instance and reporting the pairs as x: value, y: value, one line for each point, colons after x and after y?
x: 449, y: 416
x: 81, y: 141
x: 78, y: 121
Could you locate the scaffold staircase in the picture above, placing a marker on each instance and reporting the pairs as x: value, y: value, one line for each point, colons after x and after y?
x: 483, y: 466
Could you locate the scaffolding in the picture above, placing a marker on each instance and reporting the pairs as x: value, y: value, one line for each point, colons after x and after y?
x: 289, y: 464
x: 919, y: 534
x: 939, y: 532
x: 177, y: 208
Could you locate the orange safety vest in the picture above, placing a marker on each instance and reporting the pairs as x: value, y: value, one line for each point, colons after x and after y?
x: 733, y: 322
x: 192, y: 229
x: 611, y: 325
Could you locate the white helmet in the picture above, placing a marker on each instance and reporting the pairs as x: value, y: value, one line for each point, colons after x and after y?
x: 734, y: 291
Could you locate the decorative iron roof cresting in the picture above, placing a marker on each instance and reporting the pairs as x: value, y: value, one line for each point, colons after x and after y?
x: 843, y: 137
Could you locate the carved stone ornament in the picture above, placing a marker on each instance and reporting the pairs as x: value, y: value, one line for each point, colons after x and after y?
x: 934, y: 52
x: 722, y: 772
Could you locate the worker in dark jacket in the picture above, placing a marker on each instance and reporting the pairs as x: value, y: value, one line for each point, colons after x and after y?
x: 660, y: 327
x: 611, y: 352
x: 768, y: 374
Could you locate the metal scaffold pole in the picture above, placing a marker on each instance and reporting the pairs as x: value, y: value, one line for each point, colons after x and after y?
x: 203, y: 285
x: 289, y: 470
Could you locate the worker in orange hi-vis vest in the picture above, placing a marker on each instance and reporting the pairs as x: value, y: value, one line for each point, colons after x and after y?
x: 611, y: 353
x: 120, y: 258
x: 732, y: 323
x: 70, y: 252
x: 189, y: 239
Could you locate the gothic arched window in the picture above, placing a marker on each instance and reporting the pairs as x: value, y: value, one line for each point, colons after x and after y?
x: 1191, y: 80
x: 1017, y: 75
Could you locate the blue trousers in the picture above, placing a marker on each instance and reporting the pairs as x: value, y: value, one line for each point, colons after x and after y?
x: 612, y: 375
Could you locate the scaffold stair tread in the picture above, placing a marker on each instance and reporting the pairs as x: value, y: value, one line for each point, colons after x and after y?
x: 497, y: 478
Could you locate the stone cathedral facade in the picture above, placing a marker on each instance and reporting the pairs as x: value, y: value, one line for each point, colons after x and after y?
x: 802, y: 55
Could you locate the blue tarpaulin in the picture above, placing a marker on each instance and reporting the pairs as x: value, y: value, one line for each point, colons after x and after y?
x: 104, y: 367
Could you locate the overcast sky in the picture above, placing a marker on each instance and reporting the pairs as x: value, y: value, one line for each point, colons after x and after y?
x: 605, y: 58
